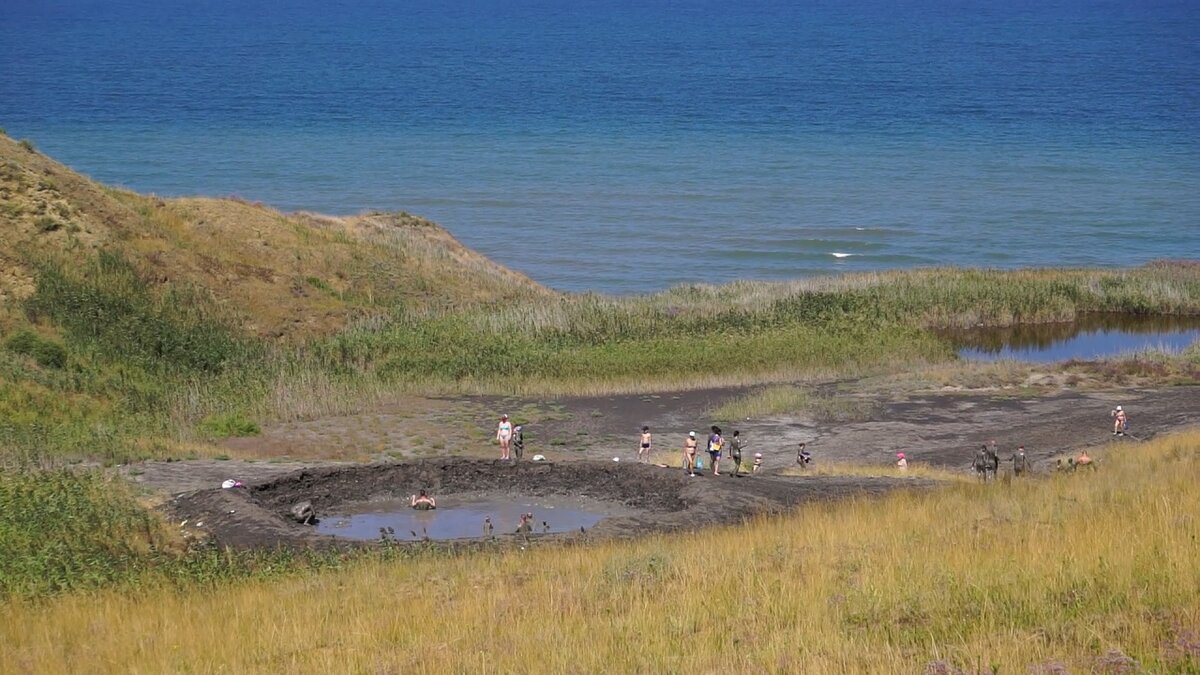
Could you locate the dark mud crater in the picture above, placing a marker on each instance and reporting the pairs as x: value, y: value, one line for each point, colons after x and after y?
x: 643, y: 498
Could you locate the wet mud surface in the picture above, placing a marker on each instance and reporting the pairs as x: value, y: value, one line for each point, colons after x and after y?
x: 641, y: 498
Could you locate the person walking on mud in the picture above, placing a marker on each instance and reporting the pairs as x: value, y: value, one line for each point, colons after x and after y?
x: 1020, y: 462
x: 504, y: 433
x: 715, y: 443
x: 646, y: 446
x: 1120, y: 421
x: 735, y: 452
x: 689, y: 454
x: 803, y: 456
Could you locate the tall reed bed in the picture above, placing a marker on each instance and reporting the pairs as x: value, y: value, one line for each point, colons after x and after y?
x: 1074, y: 573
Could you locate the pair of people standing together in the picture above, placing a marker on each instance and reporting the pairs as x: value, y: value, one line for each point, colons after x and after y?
x: 716, y: 444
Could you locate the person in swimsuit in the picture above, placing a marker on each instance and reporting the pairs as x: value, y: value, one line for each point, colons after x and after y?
x: 645, y: 447
x: 735, y: 452
x: 715, y: 443
x: 1120, y: 422
x: 422, y: 501
x: 803, y: 456
x: 689, y: 453
x: 504, y: 432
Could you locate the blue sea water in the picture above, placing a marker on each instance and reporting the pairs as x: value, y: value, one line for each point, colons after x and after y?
x: 627, y: 146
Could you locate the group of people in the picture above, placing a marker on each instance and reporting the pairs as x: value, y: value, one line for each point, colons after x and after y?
x: 986, y: 463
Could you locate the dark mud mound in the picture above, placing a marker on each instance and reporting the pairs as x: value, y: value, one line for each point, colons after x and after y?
x: 660, y: 500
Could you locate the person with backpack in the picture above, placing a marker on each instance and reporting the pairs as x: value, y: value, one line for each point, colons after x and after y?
x: 715, y: 443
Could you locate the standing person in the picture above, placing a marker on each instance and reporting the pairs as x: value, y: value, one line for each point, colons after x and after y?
x: 646, y: 446
x: 504, y: 432
x: 715, y: 443
x: 1020, y: 462
x: 689, y: 453
x: 518, y: 441
x: 1120, y: 421
x: 735, y: 451
x: 901, y: 462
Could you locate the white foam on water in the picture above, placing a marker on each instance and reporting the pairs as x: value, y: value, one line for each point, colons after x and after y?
x: 838, y: 254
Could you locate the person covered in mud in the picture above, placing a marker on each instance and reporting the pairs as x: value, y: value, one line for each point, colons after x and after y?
x: 422, y: 501
x: 735, y: 452
x: 803, y: 456
x: 689, y: 453
x: 983, y: 462
x: 525, y: 524
x: 504, y: 433
x: 1020, y: 462
x: 646, y: 446
x: 518, y: 441
x: 715, y: 443
x: 1120, y: 421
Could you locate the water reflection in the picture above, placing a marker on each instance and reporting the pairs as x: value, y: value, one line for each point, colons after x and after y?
x: 453, y: 520
x: 1091, y: 336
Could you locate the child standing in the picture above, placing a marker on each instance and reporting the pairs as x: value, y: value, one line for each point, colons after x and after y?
x: 646, y: 446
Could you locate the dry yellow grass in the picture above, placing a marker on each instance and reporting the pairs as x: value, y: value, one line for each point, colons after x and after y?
x: 1074, y: 571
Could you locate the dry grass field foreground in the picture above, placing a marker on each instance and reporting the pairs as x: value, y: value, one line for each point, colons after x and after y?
x: 1095, y: 571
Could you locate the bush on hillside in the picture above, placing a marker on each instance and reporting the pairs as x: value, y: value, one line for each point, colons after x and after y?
x: 47, y: 353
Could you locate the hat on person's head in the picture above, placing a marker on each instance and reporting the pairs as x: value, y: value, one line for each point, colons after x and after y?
x: 692, y: 434
x: 900, y: 455
x: 1118, y: 407
x: 517, y: 428
x: 504, y: 417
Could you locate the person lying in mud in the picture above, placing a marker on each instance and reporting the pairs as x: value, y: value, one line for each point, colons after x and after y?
x: 422, y: 501
x: 1020, y: 462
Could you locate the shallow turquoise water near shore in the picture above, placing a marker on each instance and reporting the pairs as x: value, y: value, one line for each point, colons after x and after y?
x: 624, y: 147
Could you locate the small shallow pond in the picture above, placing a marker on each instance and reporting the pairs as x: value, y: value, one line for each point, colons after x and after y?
x: 1092, y: 336
x: 456, y: 519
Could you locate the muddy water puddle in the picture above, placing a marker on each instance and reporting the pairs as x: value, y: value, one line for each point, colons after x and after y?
x: 458, y: 518
x: 1091, y: 336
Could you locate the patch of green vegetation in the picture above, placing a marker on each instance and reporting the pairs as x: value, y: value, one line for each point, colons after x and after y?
x: 27, y: 145
x: 47, y: 353
x: 229, y: 425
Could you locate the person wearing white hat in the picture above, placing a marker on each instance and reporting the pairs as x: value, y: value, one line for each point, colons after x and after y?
x: 1120, y: 421
x: 689, y: 454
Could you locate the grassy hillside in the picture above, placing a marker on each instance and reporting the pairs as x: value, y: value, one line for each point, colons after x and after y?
x: 1088, y: 572
x: 130, y: 324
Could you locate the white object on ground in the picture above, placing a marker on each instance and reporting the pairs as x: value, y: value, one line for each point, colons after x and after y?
x: 539, y: 458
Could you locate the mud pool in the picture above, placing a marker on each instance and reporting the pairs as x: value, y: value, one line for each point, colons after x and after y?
x: 1091, y: 336
x: 455, y: 519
